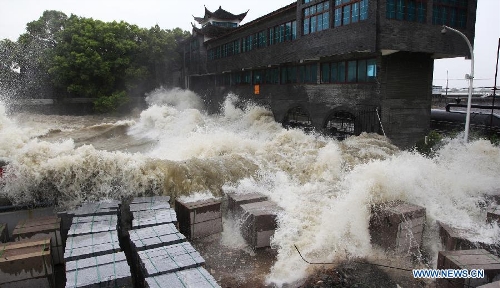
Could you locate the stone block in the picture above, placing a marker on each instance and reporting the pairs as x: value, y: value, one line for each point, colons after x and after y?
x: 454, y: 238
x: 26, y: 262
x: 468, y: 259
x: 200, y: 218
x: 110, y: 270
x: 108, y: 207
x: 167, y: 259
x: 93, y: 224
x: 40, y: 228
x: 142, y: 219
x: 89, y: 245
x: 155, y: 236
x: 140, y: 204
x: 259, y: 221
x: 194, y: 277
x: 235, y: 200
x: 397, y: 226
x: 4, y: 233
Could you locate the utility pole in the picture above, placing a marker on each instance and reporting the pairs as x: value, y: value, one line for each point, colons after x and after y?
x: 495, y: 86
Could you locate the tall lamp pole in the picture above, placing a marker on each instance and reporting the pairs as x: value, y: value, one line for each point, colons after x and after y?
x: 470, y: 77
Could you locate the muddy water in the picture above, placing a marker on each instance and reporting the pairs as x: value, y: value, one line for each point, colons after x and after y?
x: 325, y: 187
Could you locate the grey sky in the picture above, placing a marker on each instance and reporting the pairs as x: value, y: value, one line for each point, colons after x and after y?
x: 14, y: 14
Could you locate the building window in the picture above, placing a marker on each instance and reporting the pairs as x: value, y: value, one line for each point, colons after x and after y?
x: 258, y: 76
x: 308, y: 73
x: 289, y: 74
x: 350, y: 11
x: 282, y: 33
x: 306, y: 1
x: 272, y: 76
x: 316, y: 17
x: 450, y: 12
x: 359, y: 71
x: 262, y: 39
x: 247, y: 43
x: 409, y: 10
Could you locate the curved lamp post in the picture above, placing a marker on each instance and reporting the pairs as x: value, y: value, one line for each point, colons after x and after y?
x: 470, y: 77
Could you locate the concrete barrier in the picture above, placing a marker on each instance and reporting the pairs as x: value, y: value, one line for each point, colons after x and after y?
x: 468, y: 259
x: 454, y: 238
x: 397, y: 226
x: 259, y: 221
x: 200, y: 218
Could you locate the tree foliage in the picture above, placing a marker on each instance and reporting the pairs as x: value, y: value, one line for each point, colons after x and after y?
x: 86, y: 58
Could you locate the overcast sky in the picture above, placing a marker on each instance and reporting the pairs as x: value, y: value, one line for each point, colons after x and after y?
x: 168, y: 14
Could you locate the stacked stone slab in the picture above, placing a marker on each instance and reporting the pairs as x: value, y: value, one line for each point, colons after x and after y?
x: 468, y: 259
x: 110, y: 207
x: 397, y: 226
x: 140, y: 204
x: 110, y: 270
x: 200, y: 218
x: 92, y: 252
x: 159, y: 251
x: 40, y: 228
x: 195, y: 277
x: 26, y: 263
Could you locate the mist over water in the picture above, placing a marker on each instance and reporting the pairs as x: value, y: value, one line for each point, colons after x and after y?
x: 324, y: 187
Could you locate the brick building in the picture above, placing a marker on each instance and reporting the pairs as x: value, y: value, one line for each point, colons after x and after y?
x: 337, y: 66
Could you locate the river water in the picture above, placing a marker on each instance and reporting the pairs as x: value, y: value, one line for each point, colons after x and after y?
x: 325, y: 187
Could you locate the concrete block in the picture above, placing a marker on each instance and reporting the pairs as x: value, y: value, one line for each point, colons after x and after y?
x: 93, y: 224
x: 468, y: 259
x: 397, y: 226
x: 28, y: 260
x: 95, y: 244
x: 194, y: 277
x: 167, y: 259
x: 40, y: 228
x: 142, y: 219
x: 109, y: 270
x: 200, y: 218
x: 235, y: 200
x: 155, y: 236
x: 4, y: 233
x: 259, y: 221
x: 454, y: 238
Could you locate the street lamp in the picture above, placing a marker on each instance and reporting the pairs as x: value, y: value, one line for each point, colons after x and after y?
x: 470, y: 77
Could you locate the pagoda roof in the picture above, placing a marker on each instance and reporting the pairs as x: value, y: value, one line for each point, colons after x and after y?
x: 220, y: 14
x: 212, y: 31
